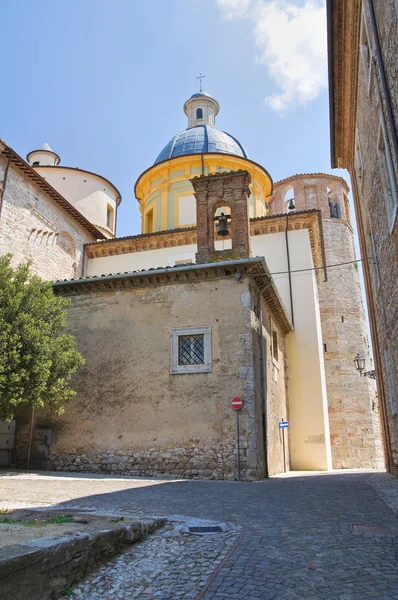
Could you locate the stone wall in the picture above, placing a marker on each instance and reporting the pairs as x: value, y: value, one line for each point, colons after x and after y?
x: 131, y: 415
x: 352, y: 400
x: 276, y: 392
x: 34, y: 227
x: 379, y: 235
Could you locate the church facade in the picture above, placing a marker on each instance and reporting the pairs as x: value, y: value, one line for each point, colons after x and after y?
x: 231, y: 290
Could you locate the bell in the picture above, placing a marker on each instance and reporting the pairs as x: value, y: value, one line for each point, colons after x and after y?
x: 291, y: 205
x: 222, y: 225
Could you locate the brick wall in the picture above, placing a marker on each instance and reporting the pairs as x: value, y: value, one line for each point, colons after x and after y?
x: 34, y: 227
x: 352, y: 400
x: 378, y: 232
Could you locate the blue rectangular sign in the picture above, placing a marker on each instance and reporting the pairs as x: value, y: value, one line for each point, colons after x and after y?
x: 284, y: 425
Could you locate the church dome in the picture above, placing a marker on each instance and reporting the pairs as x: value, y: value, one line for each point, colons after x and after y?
x: 201, y: 139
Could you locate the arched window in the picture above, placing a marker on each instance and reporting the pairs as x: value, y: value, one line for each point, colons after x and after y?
x: 334, y: 204
x: 199, y: 113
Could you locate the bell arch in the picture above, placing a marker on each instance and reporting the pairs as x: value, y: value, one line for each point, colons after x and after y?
x: 213, y: 192
x: 288, y: 199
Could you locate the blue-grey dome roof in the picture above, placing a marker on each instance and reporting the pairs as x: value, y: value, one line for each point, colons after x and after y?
x: 201, y: 139
x: 201, y: 95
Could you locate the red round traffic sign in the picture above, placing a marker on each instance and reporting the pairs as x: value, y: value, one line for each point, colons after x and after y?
x: 237, y: 403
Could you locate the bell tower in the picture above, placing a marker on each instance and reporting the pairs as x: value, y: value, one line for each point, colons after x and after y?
x: 228, y: 191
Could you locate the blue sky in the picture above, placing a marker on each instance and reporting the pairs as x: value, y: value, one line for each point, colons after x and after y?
x: 104, y: 82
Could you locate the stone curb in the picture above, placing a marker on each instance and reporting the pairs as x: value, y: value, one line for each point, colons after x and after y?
x: 43, y: 568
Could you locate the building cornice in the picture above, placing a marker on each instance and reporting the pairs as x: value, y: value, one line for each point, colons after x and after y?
x: 306, y: 219
x: 142, y: 242
x: 309, y: 219
x: 203, y: 159
x: 292, y: 178
x: 254, y: 268
x: 344, y: 19
x: 28, y: 171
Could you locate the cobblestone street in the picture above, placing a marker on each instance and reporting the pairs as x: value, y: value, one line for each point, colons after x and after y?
x: 293, y: 537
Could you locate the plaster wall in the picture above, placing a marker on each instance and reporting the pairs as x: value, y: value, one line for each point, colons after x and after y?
x: 276, y: 389
x: 130, y: 414
x: 309, y: 424
x: 149, y: 259
x: 44, y: 158
x: 34, y: 227
x: 89, y: 193
x: 164, y: 187
x: 352, y: 400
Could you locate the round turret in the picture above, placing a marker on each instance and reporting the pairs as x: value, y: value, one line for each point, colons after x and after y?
x: 92, y: 195
x: 201, y: 109
x: 42, y: 157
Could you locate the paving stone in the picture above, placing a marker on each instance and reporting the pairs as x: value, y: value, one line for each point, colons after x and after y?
x: 296, y: 540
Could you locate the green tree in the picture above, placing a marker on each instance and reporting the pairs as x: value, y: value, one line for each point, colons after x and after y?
x: 37, y: 359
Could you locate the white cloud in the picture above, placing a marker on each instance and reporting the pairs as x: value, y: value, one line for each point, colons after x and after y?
x: 290, y: 40
x: 234, y: 9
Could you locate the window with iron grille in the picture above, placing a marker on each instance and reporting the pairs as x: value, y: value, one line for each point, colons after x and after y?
x: 190, y: 350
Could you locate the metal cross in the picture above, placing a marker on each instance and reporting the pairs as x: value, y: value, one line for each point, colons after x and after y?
x: 200, y: 78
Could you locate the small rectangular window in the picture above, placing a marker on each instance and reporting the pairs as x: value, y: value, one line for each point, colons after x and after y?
x: 390, y: 381
x: 109, y: 216
x: 388, y: 176
x: 190, y: 350
x: 374, y: 263
x: 275, y: 345
x: 149, y: 221
x: 366, y: 55
x: 358, y: 158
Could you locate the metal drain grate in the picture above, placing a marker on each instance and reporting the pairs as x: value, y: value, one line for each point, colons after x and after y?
x: 373, y: 530
x: 214, y: 529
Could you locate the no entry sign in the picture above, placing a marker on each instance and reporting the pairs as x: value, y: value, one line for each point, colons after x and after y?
x: 237, y: 403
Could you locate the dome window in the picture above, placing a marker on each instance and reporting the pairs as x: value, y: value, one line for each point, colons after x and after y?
x: 199, y: 113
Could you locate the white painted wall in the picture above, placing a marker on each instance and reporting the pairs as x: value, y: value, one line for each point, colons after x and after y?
x: 89, y: 193
x: 44, y: 158
x: 308, y: 414
x: 149, y: 259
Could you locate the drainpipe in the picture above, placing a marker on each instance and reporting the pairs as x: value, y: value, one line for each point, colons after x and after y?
x: 387, y: 97
x: 263, y: 379
x: 84, y: 261
x: 5, y: 181
x: 288, y: 267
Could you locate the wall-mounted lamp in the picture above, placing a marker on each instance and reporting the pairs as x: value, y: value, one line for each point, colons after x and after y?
x: 360, y: 366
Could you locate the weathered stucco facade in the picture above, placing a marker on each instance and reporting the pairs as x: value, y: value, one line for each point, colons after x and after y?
x: 131, y: 415
x: 352, y: 401
x: 363, y: 46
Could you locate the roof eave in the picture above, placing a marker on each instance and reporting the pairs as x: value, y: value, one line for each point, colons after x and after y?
x: 25, y: 167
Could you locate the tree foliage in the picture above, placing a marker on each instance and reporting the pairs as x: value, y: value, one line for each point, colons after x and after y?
x: 37, y: 359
